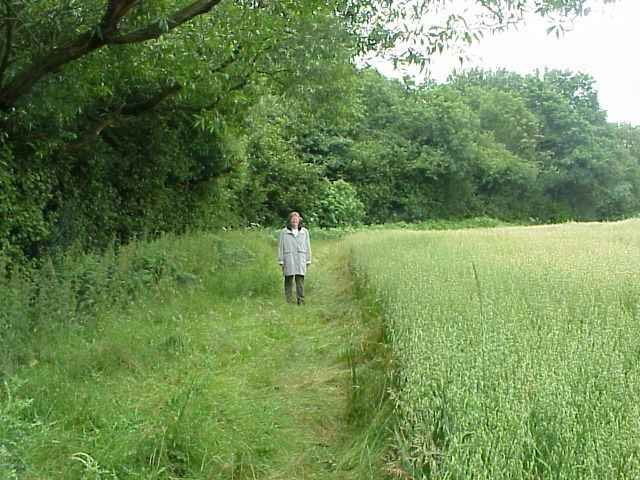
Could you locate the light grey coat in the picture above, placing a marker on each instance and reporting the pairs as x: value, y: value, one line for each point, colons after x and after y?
x: 294, y: 252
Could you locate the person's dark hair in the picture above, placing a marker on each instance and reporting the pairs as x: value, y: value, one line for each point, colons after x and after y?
x: 289, y: 220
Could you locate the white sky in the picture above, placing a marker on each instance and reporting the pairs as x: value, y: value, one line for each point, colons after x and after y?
x: 601, y: 44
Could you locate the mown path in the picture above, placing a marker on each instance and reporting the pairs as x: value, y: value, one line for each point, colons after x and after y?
x: 281, y: 385
x: 314, y: 382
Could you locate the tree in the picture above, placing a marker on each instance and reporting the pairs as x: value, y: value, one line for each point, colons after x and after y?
x: 584, y: 171
x: 160, y: 90
x: 69, y: 31
x: 413, y: 31
x: 139, y: 106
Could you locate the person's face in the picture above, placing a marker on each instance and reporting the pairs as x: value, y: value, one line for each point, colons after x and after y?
x: 295, y: 221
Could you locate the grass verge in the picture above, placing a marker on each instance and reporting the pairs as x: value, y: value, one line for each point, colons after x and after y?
x: 204, y: 373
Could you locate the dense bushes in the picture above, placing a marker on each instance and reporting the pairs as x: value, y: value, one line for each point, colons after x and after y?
x: 109, y: 140
x: 337, y: 205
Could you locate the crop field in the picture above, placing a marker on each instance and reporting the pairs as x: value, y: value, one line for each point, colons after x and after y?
x: 515, y: 351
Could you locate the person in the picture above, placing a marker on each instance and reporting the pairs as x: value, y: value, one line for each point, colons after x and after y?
x: 294, y: 255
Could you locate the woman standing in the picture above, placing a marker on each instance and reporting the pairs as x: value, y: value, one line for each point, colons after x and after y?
x: 294, y: 254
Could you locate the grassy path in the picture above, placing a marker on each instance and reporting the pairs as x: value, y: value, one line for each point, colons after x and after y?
x: 194, y: 386
x: 315, y: 380
x: 299, y: 363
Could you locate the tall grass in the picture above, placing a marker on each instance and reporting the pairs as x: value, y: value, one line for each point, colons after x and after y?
x: 118, y: 366
x: 75, y: 290
x: 179, y: 358
x: 515, y: 350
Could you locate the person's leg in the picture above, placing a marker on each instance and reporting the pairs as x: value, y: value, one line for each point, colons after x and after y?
x: 300, y: 289
x: 288, y: 288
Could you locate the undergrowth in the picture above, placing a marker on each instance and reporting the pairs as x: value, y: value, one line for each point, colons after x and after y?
x: 109, y: 362
x: 75, y: 291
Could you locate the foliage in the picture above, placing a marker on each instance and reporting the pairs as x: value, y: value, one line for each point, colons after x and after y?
x: 141, y: 129
x: 276, y: 180
x: 583, y: 169
x: 127, y: 119
x: 526, y: 148
x: 338, y: 205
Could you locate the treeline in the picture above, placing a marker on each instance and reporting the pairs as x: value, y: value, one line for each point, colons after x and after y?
x: 522, y: 147
x: 121, y: 120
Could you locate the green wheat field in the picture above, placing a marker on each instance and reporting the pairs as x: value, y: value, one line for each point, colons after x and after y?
x: 515, y: 351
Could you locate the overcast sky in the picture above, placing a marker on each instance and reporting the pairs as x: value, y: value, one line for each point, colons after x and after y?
x: 601, y: 44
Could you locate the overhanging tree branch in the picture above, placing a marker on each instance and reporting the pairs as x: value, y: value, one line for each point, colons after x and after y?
x: 111, y: 118
x: 242, y: 81
x: 156, y: 30
x: 146, y: 105
x: 98, y: 37
x: 239, y: 85
x: 116, y: 11
x: 22, y: 83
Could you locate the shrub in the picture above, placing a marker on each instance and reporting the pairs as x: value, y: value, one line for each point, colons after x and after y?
x: 338, y: 205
